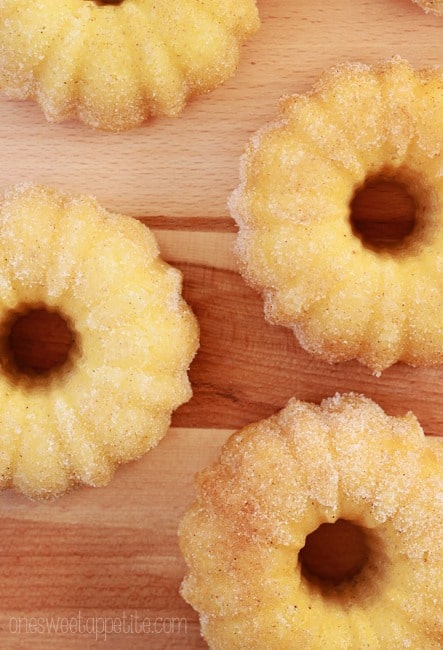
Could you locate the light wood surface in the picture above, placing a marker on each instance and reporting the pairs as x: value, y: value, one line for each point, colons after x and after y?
x: 113, y: 552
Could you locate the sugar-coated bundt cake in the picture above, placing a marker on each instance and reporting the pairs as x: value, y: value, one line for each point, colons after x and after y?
x: 319, y: 528
x: 433, y: 6
x: 114, y: 64
x: 129, y: 338
x: 298, y: 244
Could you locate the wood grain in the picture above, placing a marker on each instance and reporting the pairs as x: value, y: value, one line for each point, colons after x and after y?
x: 246, y: 368
x: 105, y: 553
x: 113, y: 552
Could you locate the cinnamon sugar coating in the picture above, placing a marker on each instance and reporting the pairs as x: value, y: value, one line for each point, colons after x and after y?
x: 114, y: 65
x: 135, y: 338
x: 431, y: 6
x: 276, y: 482
x: 296, y: 244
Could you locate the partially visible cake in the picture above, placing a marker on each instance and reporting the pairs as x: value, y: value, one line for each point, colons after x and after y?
x: 129, y: 338
x: 319, y: 528
x: 115, y: 64
x: 431, y: 6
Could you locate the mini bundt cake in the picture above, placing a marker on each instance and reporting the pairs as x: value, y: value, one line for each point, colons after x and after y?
x: 343, y: 297
x: 114, y: 64
x: 431, y: 6
x: 128, y: 339
x: 320, y: 528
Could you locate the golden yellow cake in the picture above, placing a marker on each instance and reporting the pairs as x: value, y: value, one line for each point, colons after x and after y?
x: 320, y: 528
x: 343, y: 297
x: 114, y: 64
x: 131, y: 338
x: 432, y: 6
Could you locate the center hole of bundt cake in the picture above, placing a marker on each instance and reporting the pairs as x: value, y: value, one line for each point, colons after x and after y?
x: 383, y: 212
x: 37, y: 342
x: 334, y: 554
x: 102, y: 3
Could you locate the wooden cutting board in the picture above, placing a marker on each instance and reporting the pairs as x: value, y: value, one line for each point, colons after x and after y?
x: 113, y: 552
